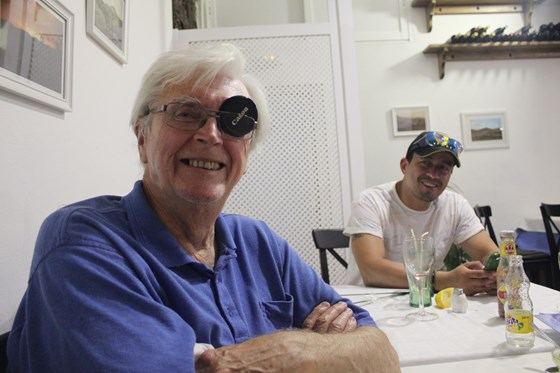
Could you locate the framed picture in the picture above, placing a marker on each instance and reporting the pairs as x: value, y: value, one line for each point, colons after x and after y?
x: 36, y: 47
x: 484, y: 130
x: 107, y: 23
x: 410, y: 121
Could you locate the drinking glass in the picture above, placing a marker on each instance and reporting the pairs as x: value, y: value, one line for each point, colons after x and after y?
x: 414, y: 292
x: 419, y: 254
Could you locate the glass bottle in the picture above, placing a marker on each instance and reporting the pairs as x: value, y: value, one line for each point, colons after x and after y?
x: 518, y: 306
x: 507, y: 249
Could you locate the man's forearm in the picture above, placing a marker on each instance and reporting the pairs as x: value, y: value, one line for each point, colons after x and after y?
x: 367, y: 349
x: 387, y: 274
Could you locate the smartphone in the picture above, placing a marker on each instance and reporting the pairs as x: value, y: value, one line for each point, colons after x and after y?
x: 492, y: 262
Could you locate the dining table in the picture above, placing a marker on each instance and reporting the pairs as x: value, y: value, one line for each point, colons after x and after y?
x: 473, y: 341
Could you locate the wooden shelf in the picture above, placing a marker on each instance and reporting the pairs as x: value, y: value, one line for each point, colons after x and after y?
x: 436, y: 7
x: 492, y: 51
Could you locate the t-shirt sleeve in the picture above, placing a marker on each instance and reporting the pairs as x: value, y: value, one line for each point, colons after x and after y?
x: 469, y: 224
x: 365, y: 216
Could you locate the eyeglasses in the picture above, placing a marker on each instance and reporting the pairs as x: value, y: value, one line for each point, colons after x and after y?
x: 236, y: 117
x: 440, y: 140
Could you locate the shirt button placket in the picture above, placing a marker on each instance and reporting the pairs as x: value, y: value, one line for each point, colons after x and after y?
x: 236, y: 322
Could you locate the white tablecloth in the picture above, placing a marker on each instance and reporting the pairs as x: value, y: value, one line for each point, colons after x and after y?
x: 477, y: 334
x: 529, y: 363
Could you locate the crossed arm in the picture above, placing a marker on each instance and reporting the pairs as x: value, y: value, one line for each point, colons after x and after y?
x: 328, y: 342
x: 376, y: 270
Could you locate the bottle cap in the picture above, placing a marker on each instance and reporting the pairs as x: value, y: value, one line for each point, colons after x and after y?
x: 506, y: 233
x: 458, y: 291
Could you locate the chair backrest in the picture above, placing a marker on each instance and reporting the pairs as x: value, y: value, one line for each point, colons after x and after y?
x: 548, y: 211
x: 4, y: 352
x: 328, y: 240
x: 484, y: 213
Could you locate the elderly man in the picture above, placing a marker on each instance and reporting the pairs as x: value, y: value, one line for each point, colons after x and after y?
x: 383, y: 215
x: 161, y: 280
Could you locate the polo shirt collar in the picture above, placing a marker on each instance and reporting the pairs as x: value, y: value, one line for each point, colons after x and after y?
x: 156, y: 238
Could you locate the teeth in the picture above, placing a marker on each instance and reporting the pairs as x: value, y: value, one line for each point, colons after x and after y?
x: 202, y: 164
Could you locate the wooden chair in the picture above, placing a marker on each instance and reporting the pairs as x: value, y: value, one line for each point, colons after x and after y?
x: 549, y: 211
x: 535, y: 263
x: 328, y: 240
x: 4, y: 352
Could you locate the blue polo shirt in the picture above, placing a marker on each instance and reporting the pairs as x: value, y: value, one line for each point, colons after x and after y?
x: 110, y: 290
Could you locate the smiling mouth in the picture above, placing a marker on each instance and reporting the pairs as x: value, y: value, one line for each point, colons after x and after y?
x: 429, y: 184
x: 207, y: 165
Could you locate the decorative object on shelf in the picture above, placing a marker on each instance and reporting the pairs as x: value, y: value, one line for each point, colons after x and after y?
x: 107, y: 24
x: 484, y: 130
x: 36, y: 51
x: 437, y: 7
x: 410, y: 121
x: 477, y: 34
x: 545, y: 32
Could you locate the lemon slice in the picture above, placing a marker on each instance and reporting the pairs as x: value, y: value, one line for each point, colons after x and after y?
x: 443, y: 298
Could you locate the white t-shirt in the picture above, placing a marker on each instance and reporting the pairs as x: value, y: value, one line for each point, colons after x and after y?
x: 380, y: 212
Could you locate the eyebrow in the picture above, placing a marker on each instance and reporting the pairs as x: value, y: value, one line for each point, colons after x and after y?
x: 184, y: 100
x: 445, y: 162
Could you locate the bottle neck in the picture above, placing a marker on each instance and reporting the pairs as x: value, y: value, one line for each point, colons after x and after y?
x: 516, y: 260
x: 516, y: 266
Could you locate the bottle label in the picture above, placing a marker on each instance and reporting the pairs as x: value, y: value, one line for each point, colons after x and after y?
x: 507, y: 248
x: 519, y: 321
x: 502, y: 293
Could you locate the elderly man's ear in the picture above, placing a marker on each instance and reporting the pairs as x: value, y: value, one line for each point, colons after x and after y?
x: 140, y: 132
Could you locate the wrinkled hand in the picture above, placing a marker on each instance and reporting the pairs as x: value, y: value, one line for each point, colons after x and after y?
x: 474, y: 279
x: 330, y: 319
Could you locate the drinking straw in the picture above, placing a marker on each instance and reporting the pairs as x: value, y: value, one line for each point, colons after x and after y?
x: 422, y: 241
x: 414, y: 240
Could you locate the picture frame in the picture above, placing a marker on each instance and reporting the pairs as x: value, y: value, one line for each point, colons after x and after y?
x: 410, y: 121
x: 107, y: 24
x: 36, y: 58
x: 485, y: 130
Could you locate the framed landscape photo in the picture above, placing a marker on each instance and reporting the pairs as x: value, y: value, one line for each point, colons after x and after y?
x: 107, y: 24
x: 36, y: 46
x: 484, y: 130
x: 410, y: 121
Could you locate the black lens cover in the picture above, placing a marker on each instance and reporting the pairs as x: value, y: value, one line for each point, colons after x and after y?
x: 233, y: 113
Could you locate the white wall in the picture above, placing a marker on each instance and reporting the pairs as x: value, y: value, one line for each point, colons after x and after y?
x: 49, y: 159
x: 515, y: 180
